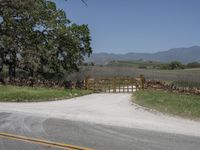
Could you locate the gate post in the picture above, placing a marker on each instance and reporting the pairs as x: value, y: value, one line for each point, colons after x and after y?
x: 87, y: 82
x: 114, y: 84
x: 142, y: 81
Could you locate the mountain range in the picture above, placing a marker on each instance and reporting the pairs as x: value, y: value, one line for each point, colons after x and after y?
x: 184, y: 55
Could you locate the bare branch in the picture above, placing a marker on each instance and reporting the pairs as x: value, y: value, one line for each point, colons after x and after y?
x: 83, y: 1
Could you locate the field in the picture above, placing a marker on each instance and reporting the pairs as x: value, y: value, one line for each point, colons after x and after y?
x: 136, y: 64
x: 171, y: 103
x: 28, y: 94
x: 189, y: 75
x: 185, y: 77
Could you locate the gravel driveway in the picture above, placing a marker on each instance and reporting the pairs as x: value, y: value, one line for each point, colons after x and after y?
x: 107, y: 109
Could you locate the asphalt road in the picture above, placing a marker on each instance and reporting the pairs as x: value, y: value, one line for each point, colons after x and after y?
x: 107, y: 109
x: 91, y: 135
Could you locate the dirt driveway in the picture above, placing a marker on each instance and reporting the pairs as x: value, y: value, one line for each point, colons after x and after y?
x: 107, y: 109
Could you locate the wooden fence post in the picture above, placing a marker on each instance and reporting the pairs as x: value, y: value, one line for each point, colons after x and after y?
x: 142, y: 82
x: 114, y: 84
x: 87, y: 82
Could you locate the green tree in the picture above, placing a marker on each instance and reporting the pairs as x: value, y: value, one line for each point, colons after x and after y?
x: 173, y: 65
x: 176, y: 65
x: 37, y: 37
x: 193, y: 65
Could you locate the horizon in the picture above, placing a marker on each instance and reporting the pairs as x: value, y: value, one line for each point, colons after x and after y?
x: 144, y: 51
x: 137, y: 26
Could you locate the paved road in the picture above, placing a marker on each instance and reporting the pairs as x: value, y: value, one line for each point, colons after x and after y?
x: 98, y: 121
x: 96, y: 136
x: 107, y: 109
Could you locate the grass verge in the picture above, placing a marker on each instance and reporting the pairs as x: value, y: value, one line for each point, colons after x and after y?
x: 28, y: 94
x: 172, y: 103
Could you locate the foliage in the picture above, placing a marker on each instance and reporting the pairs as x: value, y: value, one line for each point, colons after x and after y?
x: 193, y: 65
x: 142, y: 67
x: 38, y: 38
x: 153, y: 64
x: 172, y: 66
x: 7, y: 2
x: 135, y: 63
x: 167, y: 102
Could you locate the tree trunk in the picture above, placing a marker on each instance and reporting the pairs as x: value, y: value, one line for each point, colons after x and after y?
x: 10, y: 72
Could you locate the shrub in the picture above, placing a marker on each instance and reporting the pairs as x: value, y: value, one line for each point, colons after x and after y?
x: 193, y: 65
x: 142, y: 67
x: 173, y: 65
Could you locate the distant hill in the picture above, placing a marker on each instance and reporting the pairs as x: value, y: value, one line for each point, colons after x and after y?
x: 184, y: 55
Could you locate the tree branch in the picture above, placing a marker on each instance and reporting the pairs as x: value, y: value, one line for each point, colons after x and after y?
x: 83, y: 1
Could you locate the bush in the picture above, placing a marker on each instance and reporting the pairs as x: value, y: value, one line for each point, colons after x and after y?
x: 173, y: 65
x: 193, y: 65
x: 142, y: 67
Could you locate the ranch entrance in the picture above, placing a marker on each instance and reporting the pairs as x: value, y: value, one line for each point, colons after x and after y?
x: 114, y: 84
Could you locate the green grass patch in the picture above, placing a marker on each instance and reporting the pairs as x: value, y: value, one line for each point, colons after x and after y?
x: 172, y: 103
x: 28, y: 94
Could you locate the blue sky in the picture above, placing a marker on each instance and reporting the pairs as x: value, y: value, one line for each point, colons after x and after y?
x: 121, y: 26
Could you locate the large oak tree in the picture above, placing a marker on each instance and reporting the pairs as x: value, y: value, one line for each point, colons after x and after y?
x: 37, y: 37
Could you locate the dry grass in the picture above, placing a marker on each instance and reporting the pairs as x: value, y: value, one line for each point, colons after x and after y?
x: 190, y: 75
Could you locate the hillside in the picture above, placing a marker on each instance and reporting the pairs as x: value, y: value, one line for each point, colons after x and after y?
x: 184, y: 55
